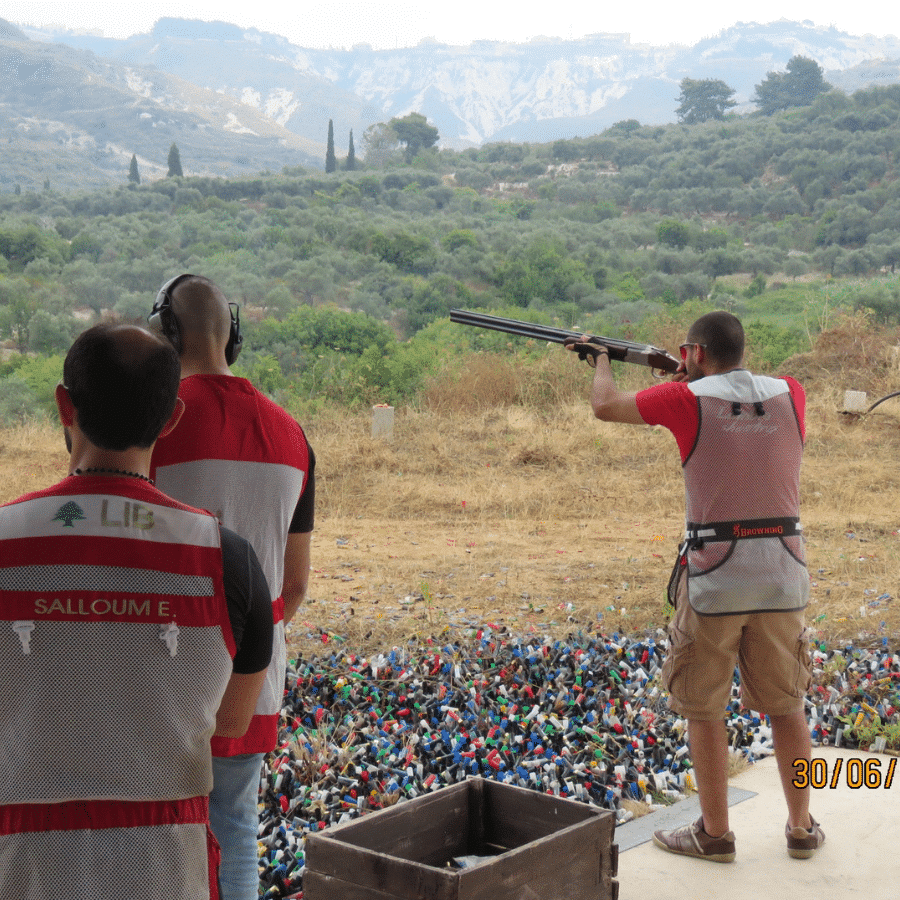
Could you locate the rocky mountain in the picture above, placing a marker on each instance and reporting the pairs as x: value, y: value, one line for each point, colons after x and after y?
x: 71, y: 118
x: 219, y: 87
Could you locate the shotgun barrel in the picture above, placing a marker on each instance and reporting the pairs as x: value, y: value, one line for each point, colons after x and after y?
x: 625, y: 351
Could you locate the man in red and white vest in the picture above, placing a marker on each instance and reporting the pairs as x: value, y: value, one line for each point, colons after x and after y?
x: 240, y: 455
x: 741, y: 584
x: 132, y: 628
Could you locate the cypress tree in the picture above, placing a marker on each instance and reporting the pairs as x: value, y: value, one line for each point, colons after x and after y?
x: 133, y: 175
x: 330, y: 158
x: 174, y: 162
x: 351, y: 155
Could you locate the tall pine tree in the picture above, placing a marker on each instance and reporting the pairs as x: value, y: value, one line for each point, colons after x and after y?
x: 330, y: 158
x: 350, y: 165
x: 799, y: 86
x: 703, y: 99
x: 414, y: 131
x: 133, y: 175
x: 174, y: 162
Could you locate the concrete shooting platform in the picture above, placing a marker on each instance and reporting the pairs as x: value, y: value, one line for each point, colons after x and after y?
x: 859, y: 856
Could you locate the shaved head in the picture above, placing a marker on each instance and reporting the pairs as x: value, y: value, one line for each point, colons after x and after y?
x: 202, y: 313
x: 722, y: 335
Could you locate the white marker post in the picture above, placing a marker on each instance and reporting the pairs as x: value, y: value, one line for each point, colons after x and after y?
x: 383, y: 421
x: 854, y: 401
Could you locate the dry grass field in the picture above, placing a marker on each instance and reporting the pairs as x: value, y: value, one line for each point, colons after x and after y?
x: 544, y: 519
x: 502, y: 500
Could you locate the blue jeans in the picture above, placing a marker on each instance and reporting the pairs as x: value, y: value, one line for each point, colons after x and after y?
x: 235, y: 822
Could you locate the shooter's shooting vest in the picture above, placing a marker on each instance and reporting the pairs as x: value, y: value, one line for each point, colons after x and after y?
x: 743, y: 541
x: 115, y: 649
x: 241, y: 456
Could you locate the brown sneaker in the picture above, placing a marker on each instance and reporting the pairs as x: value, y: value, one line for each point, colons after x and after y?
x: 692, y: 840
x: 803, y: 843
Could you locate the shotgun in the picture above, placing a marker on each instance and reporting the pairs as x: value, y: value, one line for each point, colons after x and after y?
x: 625, y: 351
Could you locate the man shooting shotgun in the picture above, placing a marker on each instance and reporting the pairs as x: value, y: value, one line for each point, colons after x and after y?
x: 740, y: 583
x: 588, y: 346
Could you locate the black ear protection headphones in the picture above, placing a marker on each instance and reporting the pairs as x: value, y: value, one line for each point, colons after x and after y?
x: 163, y: 320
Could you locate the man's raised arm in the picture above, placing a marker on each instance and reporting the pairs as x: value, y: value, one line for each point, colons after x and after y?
x: 608, y: 402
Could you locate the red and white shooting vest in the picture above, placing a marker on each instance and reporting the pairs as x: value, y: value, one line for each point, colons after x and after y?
x: 115, y: 649
x: 742, y: 479
x: 241, y: 456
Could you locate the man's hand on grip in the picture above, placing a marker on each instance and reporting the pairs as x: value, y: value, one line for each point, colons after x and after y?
x: 585, y: 349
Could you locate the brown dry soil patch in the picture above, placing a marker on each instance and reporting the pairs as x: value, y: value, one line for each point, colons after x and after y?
x: 401, y: 580
x: 472, y: 530
x: 537, y: 518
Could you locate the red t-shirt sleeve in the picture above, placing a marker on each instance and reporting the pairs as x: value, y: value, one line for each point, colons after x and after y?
x: 798, y: 395
x: 674, y: 406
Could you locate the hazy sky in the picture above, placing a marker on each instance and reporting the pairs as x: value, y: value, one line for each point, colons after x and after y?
x: 402, y: 23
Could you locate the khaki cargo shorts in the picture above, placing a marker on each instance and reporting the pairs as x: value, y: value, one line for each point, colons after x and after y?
x: 770, y: 648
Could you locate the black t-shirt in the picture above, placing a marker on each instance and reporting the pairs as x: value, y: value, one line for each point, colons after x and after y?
x: 304, y: 512
x: 249, y: 604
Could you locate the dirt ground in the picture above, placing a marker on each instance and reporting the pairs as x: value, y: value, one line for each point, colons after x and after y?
x: 531, y: 515
x: 376, y: 583
x: 398, y: 578
x: 584, y: 540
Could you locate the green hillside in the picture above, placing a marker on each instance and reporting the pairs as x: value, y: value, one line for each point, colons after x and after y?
x: 782, y: 219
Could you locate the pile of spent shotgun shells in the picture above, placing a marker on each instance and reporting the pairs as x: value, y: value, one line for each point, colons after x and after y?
x: 583, y: 718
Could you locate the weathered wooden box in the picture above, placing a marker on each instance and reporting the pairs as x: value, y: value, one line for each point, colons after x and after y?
x: 540, y: 847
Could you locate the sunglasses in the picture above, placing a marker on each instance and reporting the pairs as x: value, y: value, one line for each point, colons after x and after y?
x: 683, y: 348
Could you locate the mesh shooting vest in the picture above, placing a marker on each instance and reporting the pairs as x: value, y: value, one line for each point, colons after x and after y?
x: 743, y: 542
x: 115, y: 649
x: 238, y: 454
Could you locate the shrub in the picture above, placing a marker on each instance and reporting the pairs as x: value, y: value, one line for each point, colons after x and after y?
x: 18, y: 403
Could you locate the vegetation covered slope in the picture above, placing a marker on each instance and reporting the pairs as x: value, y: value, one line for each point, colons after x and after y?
x: 779, y: 218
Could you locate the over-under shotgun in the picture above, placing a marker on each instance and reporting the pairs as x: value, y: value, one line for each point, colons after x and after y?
x: 626, y: 351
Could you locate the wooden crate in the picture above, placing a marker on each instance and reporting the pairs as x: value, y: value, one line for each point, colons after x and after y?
x: 540, y: 847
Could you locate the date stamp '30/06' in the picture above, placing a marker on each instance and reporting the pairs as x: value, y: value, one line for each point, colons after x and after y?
x: 858, y: 773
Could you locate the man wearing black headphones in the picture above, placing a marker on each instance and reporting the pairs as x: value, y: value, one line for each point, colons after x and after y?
x: 241, y: 456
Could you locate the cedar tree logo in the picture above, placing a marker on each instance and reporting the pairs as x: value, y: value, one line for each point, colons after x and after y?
x: 69, y: 513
